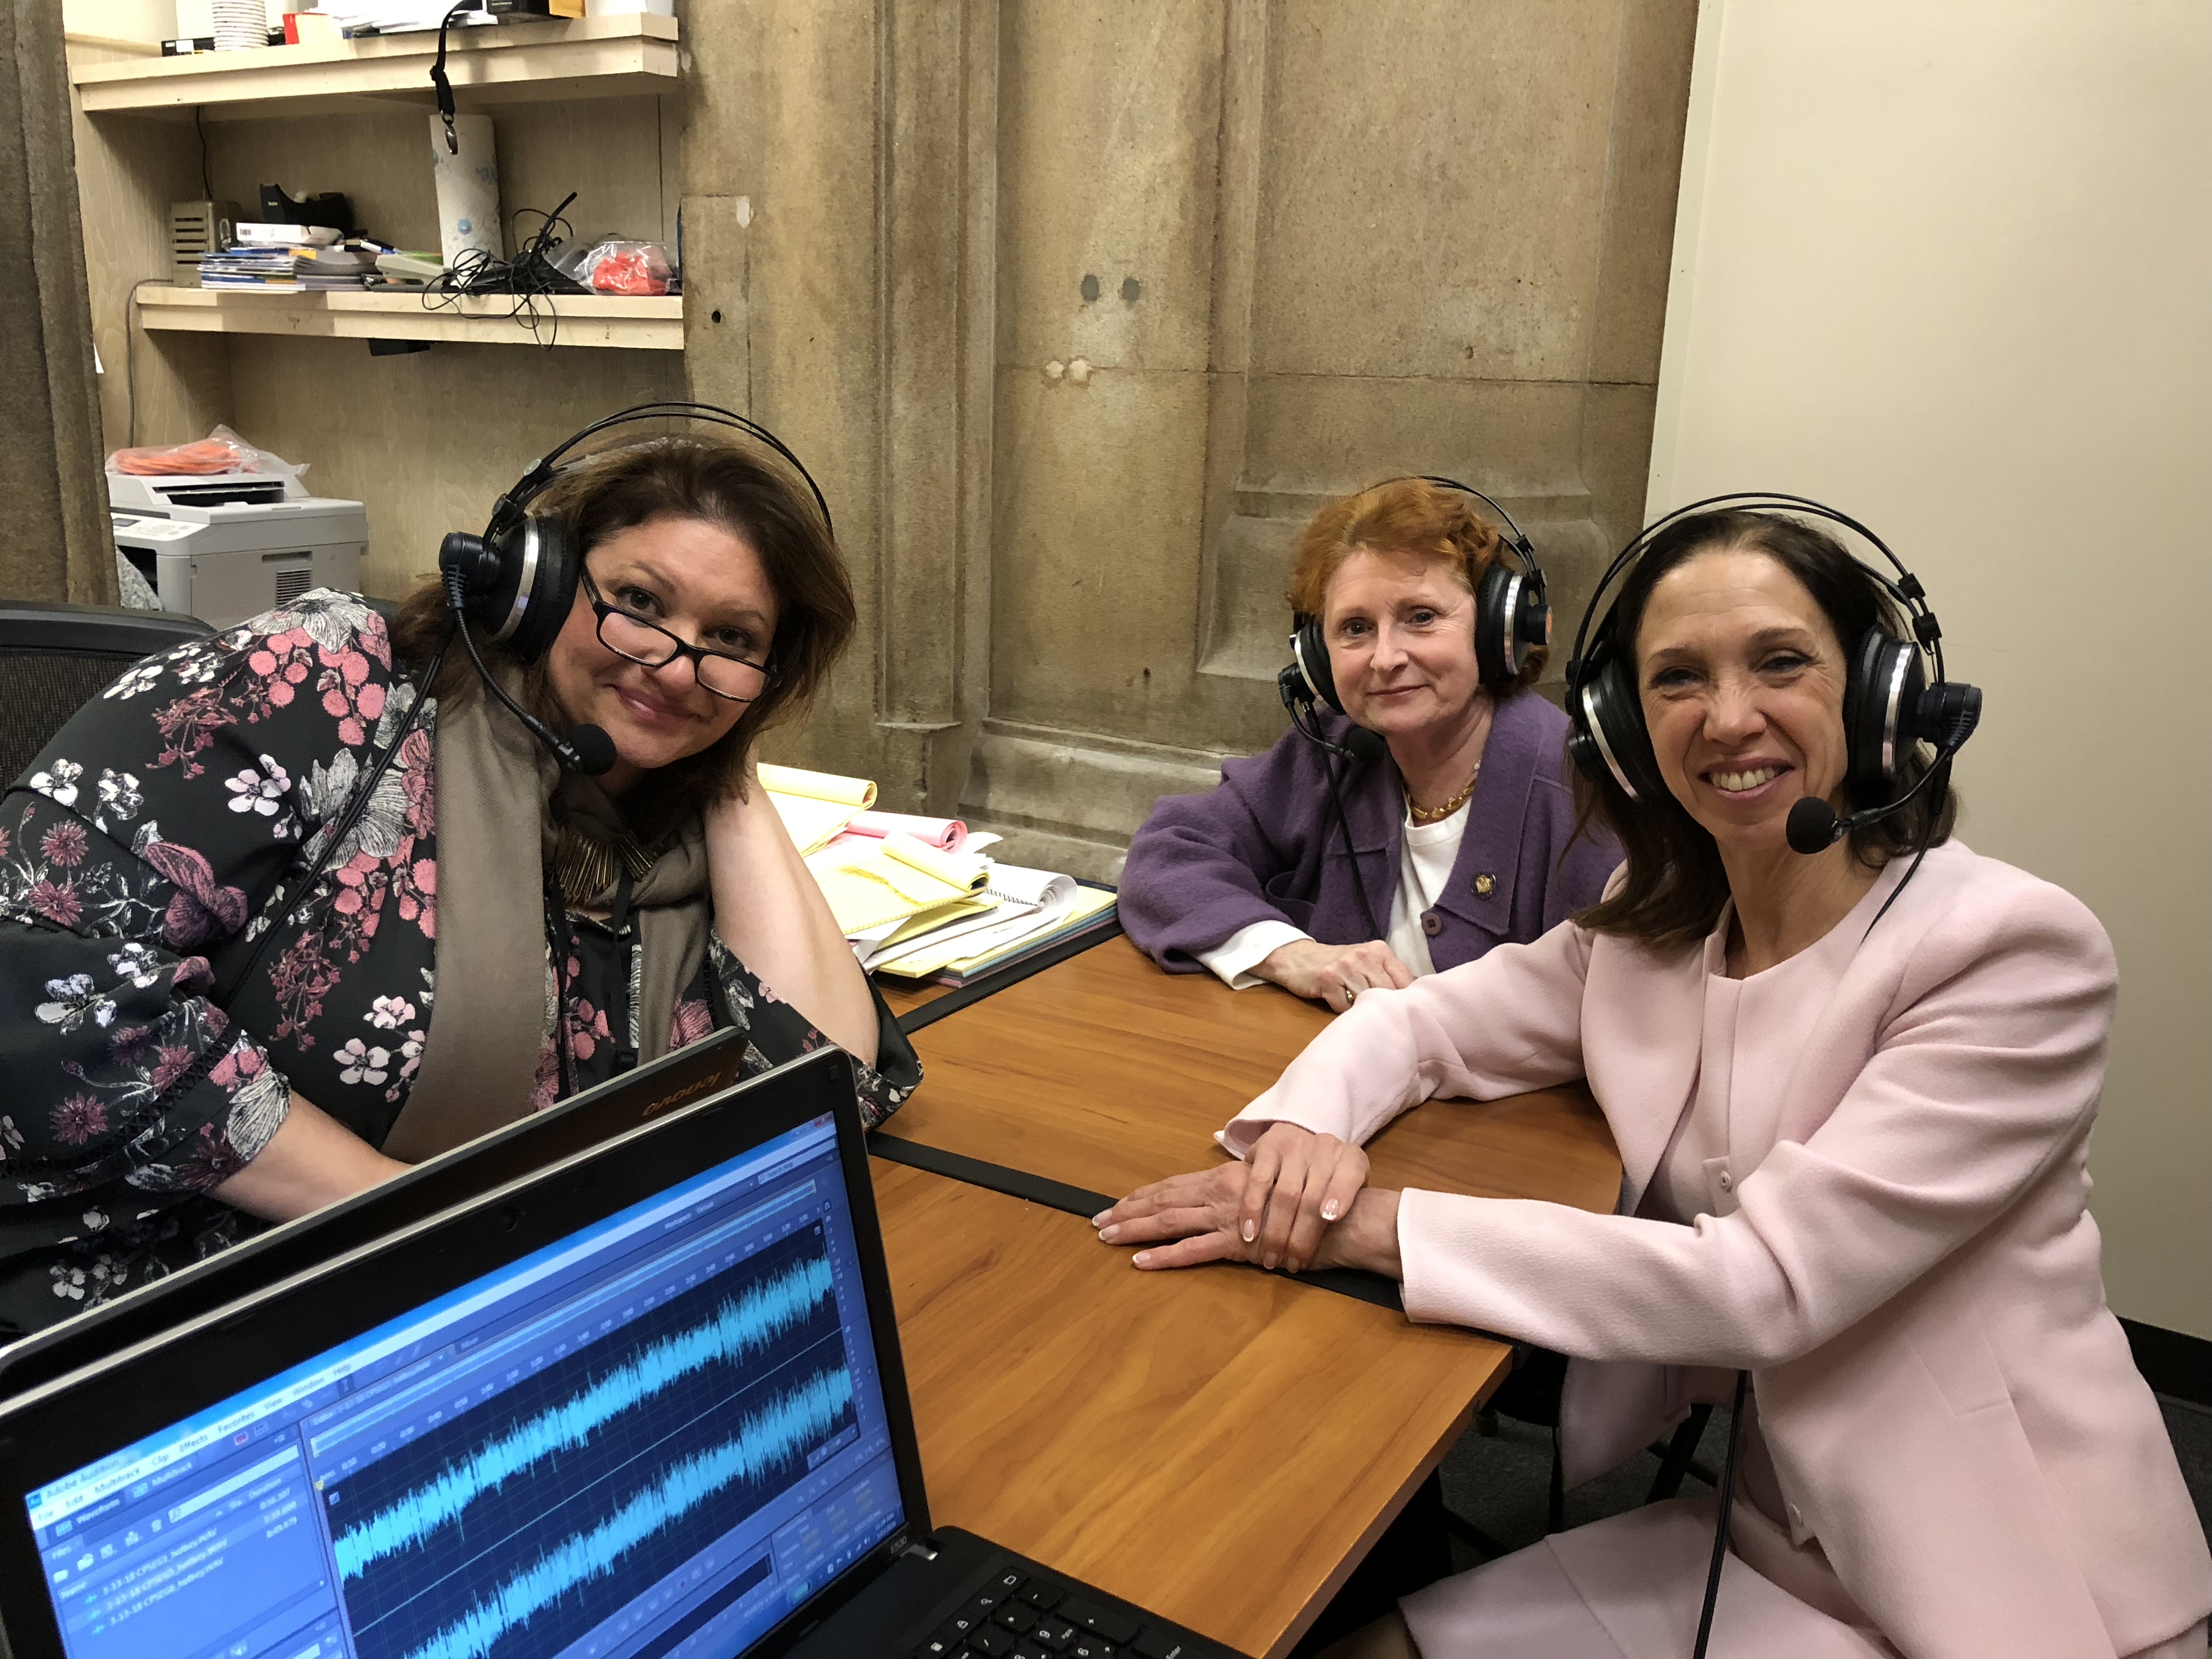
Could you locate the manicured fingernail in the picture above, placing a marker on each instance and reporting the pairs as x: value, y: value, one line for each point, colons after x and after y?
x: 1099, y: 1220
x: 1268, y: 1262
x: 1110, y: 1234
x: 1251, y: 1231
x: 1143, y: 1258
x: 1330, y: 1210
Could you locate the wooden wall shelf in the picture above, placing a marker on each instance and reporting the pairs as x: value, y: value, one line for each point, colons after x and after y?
x: 592, y: 319
x: 504, y: 63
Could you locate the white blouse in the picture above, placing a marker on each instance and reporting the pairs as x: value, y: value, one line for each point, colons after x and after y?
x: 1425, y: 856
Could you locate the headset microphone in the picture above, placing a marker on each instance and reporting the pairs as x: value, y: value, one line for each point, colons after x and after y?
x: 1945, y: 716
x: 1360, y: 746
x: 587, y: 748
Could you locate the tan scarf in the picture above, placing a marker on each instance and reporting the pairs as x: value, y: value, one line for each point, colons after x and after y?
x: 496, y: 834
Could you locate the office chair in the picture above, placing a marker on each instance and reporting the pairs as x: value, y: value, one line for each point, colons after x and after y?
x: 55, y: 656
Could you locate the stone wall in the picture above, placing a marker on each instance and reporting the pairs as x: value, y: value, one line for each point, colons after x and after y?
x: 56, y: 544
x: 1082, y: 309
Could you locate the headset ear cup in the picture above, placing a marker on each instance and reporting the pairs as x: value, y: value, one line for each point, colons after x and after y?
x: 1881, y: 699
x: 1496, y: 657
x: 1311, y: 651
x: 1608, y: 738
x: 1534, y: 620
x: 547, y: 559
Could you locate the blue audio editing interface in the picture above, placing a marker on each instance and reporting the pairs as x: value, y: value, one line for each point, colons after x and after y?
x: 648, y: 1441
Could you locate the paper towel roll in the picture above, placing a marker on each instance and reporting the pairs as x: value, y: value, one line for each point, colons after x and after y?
x: 468, y: 187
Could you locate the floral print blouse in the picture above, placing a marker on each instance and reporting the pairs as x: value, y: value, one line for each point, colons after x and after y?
x: 143, y: 858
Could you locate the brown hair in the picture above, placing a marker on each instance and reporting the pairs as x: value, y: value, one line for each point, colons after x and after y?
x: 1675, y: 885
x: 721, y: 483
x: 1400, y: 516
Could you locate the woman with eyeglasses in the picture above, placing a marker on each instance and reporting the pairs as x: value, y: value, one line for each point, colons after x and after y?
x: 166, y: 825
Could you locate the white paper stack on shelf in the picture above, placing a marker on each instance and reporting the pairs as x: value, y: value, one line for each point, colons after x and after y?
x: 287, y: 258
x: 815, y: 805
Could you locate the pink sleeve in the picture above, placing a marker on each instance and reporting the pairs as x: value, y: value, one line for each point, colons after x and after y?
x: 1508, y: 1022
x: 1987, y: 1073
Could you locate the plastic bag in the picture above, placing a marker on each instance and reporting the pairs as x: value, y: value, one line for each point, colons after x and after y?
x: 220, y: 451
x: 615, y: 266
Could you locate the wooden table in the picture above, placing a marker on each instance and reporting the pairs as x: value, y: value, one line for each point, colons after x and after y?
x: 1105, y: 1073
x: 903, y: 996
x: 1220, y: 1445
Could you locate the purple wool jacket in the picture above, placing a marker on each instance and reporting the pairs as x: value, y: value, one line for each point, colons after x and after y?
x: 1264, y: 847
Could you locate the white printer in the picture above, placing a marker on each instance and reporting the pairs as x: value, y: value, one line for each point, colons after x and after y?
x: 225, y: 546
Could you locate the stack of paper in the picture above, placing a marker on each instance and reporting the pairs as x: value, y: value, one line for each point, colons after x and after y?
x: 1031, y: 908
x: 815, y: 805
x: 915, y: 896
x: 875, y: 885
x: 289, y: 268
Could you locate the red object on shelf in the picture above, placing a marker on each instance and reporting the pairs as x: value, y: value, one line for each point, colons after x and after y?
x: 631, y: 271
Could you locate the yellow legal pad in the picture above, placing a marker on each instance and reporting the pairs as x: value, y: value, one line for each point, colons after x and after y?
x: 815, y: 805
x: 871, y: 882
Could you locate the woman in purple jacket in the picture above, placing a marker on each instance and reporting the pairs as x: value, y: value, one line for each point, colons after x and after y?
x: 1327, y: 875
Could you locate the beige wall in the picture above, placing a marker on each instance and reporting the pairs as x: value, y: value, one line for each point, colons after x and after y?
x: 1948, y: 266
x: 1253, y: 253
x: 57, y: 544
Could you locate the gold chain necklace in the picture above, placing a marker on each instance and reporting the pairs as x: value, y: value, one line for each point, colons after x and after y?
x: 1427, y: 814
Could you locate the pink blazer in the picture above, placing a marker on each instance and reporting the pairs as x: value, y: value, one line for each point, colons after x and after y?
x: 1911, y: 1273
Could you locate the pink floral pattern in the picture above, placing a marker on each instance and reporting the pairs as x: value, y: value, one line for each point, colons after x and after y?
x: 142, y: 861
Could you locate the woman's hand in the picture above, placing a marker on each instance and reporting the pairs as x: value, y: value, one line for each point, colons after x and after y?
x: 1292, y: 1185
x: 1200, y: 1217
x: 1333, y: 974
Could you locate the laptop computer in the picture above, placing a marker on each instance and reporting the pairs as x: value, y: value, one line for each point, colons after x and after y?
x: 647, y: 1403
x: 435, y: 1184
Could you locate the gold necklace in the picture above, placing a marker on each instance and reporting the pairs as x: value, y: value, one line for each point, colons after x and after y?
x: 1426, y: 815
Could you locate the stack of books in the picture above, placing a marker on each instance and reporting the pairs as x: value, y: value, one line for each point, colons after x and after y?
x: 288, y: 259
x: 919, y: 897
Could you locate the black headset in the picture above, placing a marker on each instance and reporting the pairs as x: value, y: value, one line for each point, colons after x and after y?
x: 519, y: 576
x: 1890, y: 704
x: 517, y: 581
x: 1512, y: 618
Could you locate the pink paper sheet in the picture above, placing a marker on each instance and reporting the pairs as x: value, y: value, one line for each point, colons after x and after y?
x: 946, y: 835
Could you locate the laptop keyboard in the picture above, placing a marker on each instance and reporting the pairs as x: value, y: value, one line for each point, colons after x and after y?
x: 1028, y: 1615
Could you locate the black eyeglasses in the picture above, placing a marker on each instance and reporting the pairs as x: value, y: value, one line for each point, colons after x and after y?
x: 642, y: 642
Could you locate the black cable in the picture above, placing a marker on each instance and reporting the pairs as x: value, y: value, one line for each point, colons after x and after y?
x: 207, y: 179
x: 445, y: 87
x: 563, y: 945
x: 1927, y: 836
x: 1344, y: 827
x: 528, y: 278
x: 1720, y: 1527
x: 130, y: 357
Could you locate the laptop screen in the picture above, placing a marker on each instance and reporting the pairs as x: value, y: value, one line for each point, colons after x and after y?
x: 649, y: 1440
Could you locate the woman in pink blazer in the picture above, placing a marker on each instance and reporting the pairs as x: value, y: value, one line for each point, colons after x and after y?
x: 1853, y: 1101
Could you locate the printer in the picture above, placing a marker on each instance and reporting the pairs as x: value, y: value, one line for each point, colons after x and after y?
x: 225, y: 546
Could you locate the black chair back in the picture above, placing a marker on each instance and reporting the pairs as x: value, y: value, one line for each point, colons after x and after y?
x: 55, y: 658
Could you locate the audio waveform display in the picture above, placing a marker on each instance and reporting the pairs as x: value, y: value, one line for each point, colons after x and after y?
x: 742, y: 1324
x: 766, y: 1441
x: 640, y: 1447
